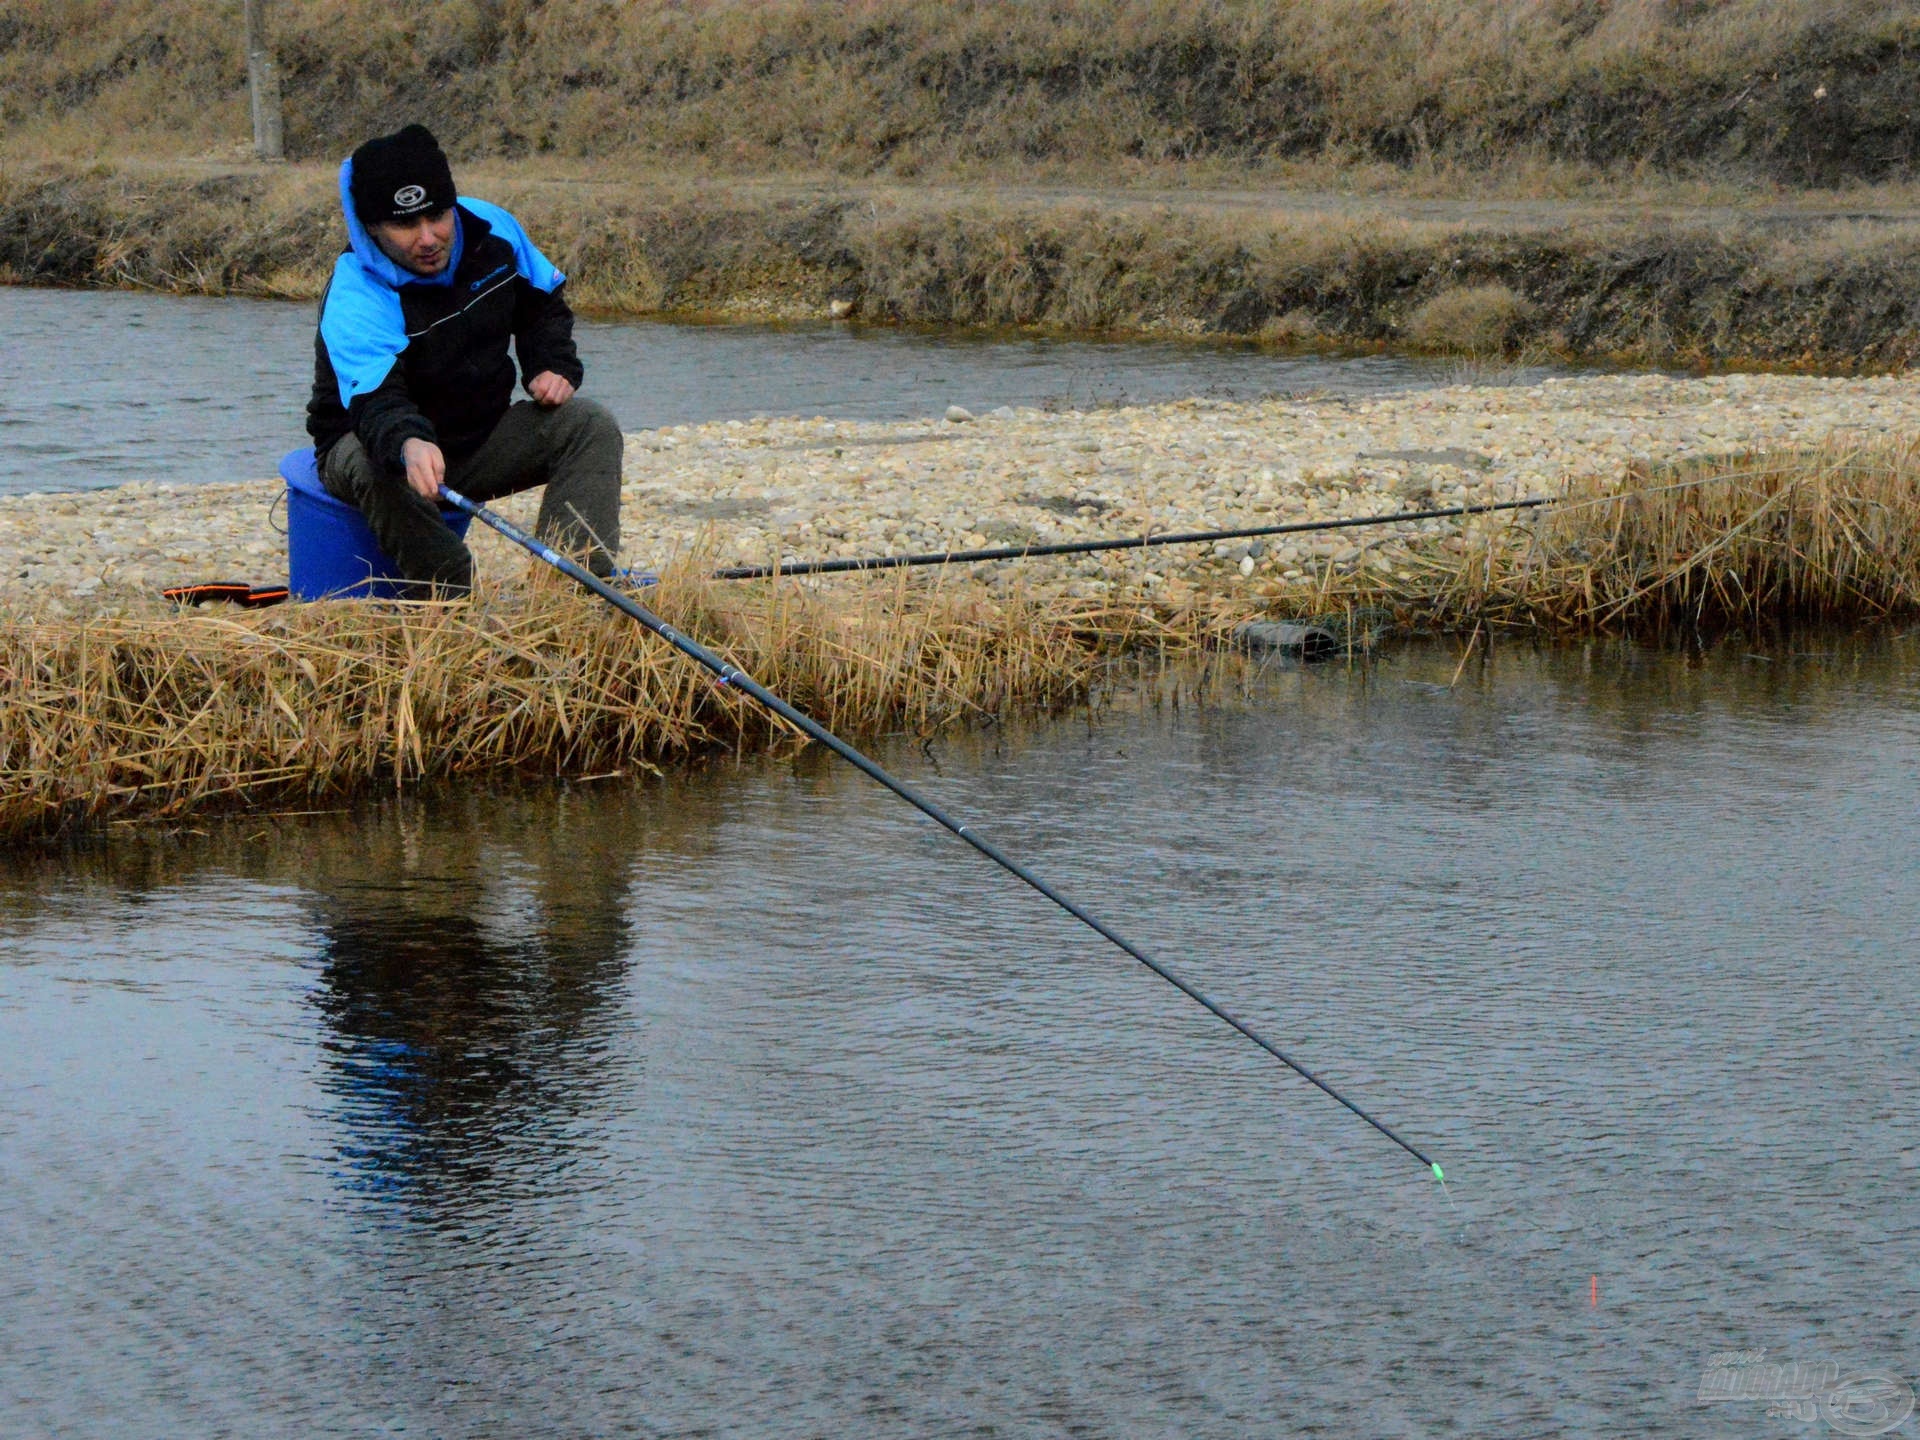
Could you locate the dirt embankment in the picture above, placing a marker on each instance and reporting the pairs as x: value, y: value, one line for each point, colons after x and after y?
x: 1785, y: 286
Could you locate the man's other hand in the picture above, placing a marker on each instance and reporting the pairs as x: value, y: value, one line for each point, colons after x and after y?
x: 426, y: 466
x: 549, y: 389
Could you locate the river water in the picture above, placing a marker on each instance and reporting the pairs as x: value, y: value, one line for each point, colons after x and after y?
x: 748, y: 1103
x: 101, y: 387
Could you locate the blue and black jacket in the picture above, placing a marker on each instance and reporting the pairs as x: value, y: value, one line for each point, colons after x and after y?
x: 400, y: 357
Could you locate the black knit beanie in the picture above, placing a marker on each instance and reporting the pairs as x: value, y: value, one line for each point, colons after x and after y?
x: 396, y: 177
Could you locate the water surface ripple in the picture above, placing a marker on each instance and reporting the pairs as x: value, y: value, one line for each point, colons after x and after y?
x: 749, y: 1104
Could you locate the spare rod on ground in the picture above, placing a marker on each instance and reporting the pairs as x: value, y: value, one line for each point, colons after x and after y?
x: 1130, y: 542
x: 733, y: 676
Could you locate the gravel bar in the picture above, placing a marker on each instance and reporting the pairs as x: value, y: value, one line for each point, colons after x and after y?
x: 750, y: 492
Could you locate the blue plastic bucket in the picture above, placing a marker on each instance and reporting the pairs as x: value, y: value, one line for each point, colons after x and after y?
x: 330, y: 550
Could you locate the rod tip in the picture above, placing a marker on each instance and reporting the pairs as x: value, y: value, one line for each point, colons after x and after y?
x: 1438, y: 1173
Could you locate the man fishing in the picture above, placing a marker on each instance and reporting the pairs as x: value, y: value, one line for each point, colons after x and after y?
x: 413, y: 383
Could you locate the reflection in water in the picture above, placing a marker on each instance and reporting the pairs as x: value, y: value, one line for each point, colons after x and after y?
x: 749, y: 1104
x: 460, y: 988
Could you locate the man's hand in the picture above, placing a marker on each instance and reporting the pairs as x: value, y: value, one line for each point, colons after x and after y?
x: 426, y: 466
x: 549, y: 389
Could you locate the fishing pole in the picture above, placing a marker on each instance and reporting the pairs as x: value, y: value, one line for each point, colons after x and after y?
x: 1132, y: 542
x: 731, y: 675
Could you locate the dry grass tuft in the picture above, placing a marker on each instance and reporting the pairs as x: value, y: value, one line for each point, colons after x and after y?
x: 1753, y: 542
x: 1476, y: 320
x: 161, y: 714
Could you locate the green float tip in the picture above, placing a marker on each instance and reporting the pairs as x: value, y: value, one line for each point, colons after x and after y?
x: 1438, y: 1174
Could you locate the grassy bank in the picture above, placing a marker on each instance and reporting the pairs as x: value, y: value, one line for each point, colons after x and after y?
x: 1796, y: 92
x: 159, y: 714
x: 1834, y: 294
x: 143, y: 715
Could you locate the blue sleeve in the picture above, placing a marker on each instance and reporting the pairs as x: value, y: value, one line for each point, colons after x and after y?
x: 534, y: 268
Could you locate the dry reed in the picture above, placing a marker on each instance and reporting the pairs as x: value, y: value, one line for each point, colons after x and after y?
x: 1754, y: 542
x: 162, y: 714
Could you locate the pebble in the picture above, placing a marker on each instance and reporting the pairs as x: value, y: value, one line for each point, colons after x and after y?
x: 751, y: 491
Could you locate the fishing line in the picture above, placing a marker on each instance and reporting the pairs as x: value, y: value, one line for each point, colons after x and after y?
x: 731, y: 675
x: 1131, y: 542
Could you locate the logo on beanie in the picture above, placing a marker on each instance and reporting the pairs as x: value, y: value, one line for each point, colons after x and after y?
x: 408, y: 196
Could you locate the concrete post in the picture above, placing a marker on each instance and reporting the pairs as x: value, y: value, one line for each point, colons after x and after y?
x: 263, y: 84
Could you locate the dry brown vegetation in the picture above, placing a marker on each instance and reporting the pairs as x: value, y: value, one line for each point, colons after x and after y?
x: 1473, y: 320
x: 1755, y: 543
x: 157, y: 714
x: 1793, y: 91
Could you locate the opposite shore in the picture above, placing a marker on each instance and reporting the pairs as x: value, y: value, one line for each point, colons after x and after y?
x: 1675, y: 277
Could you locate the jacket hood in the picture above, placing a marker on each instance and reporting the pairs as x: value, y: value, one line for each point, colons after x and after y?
x: 373, y: 259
